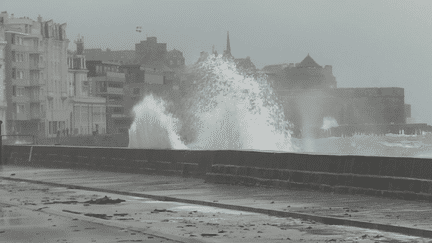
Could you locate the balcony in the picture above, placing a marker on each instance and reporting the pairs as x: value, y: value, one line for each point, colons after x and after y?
x: 37, y: 82
x: 115, y: 103
x: 20, y: 116
x: 20, y: 99
x: 118, y: 91
x: 37, y: 98
x: 64, y: 95
x: 50, y: 94
x: 117, y: 77
x: 37, y: 65
x: 21, y: 48
x: 20, y: 65
x: 21, y: 82
x: 37, y: 115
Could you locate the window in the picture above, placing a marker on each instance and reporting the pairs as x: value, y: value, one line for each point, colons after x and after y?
x: 117, y: 110
x: 55, y: 128
x: 20, y: 91
x: 14, y: 90
x: 14, y: 73
x: 18, y: 41
x: 136, y: 91
x: 20, y: 108
x: 19, y: 57
x: 20, y: 75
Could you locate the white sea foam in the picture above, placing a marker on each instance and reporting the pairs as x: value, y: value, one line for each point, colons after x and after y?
x: 230, y: 110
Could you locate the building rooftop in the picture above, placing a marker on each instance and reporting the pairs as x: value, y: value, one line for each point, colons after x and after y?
x: 309, y: 62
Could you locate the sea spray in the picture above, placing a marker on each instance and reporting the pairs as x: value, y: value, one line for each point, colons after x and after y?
x: 153, y: 127
x: 224, y: 108
x: 329, y: 122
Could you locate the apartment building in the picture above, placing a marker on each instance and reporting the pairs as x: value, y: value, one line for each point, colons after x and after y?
x: 35, y: 74
x: 107, y: 80
x: 2, y: 79
x: 46, y: 90
x: 87, y: 113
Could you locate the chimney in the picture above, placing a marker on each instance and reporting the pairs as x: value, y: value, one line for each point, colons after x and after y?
x: 39, y: 19
x: 80, y: 45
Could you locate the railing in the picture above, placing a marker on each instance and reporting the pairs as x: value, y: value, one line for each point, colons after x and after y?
x: 100, y: 140
x: 39, y: 115
x: 111, y: 90
x: 116, y: 76
x: 36, y: 81
x: 365, y: 129
x: 21, y: 82
x: 36, y: 65
x: 37, y: 98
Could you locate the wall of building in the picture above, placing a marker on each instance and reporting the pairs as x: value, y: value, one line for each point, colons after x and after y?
x: 150, y: 52
x: 36, y: 75
x: 348, y: 106
x: 108, y: 82
x: 3, y: 103
x: 304, y: 75
x: 175, y: 59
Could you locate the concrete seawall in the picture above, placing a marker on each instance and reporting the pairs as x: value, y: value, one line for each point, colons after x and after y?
x: 176, y: 162
x: 405, y: 178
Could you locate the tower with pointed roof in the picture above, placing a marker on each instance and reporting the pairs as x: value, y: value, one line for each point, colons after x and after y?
x: 307, y: 74
x: 227, y: 52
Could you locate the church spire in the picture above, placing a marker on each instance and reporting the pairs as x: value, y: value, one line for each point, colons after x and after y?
x: 228, y: 48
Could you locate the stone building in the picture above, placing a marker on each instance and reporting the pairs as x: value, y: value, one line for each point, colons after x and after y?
x: 149, y: 52
x: 304, y: 75
x: 348, y: 106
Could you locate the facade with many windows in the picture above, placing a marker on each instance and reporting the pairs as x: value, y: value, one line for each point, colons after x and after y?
x: 107, y: 80
x: 87, y: 112
x: 35, y: 74
x: 45, y: 87
x: 2, y: 80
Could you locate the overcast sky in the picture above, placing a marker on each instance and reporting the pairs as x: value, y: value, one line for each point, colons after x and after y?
x: 369, y: 43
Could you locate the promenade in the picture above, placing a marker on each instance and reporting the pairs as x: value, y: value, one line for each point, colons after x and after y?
x: 400, y: 216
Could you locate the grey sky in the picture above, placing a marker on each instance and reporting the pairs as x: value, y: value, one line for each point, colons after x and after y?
x: 369, y: 43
